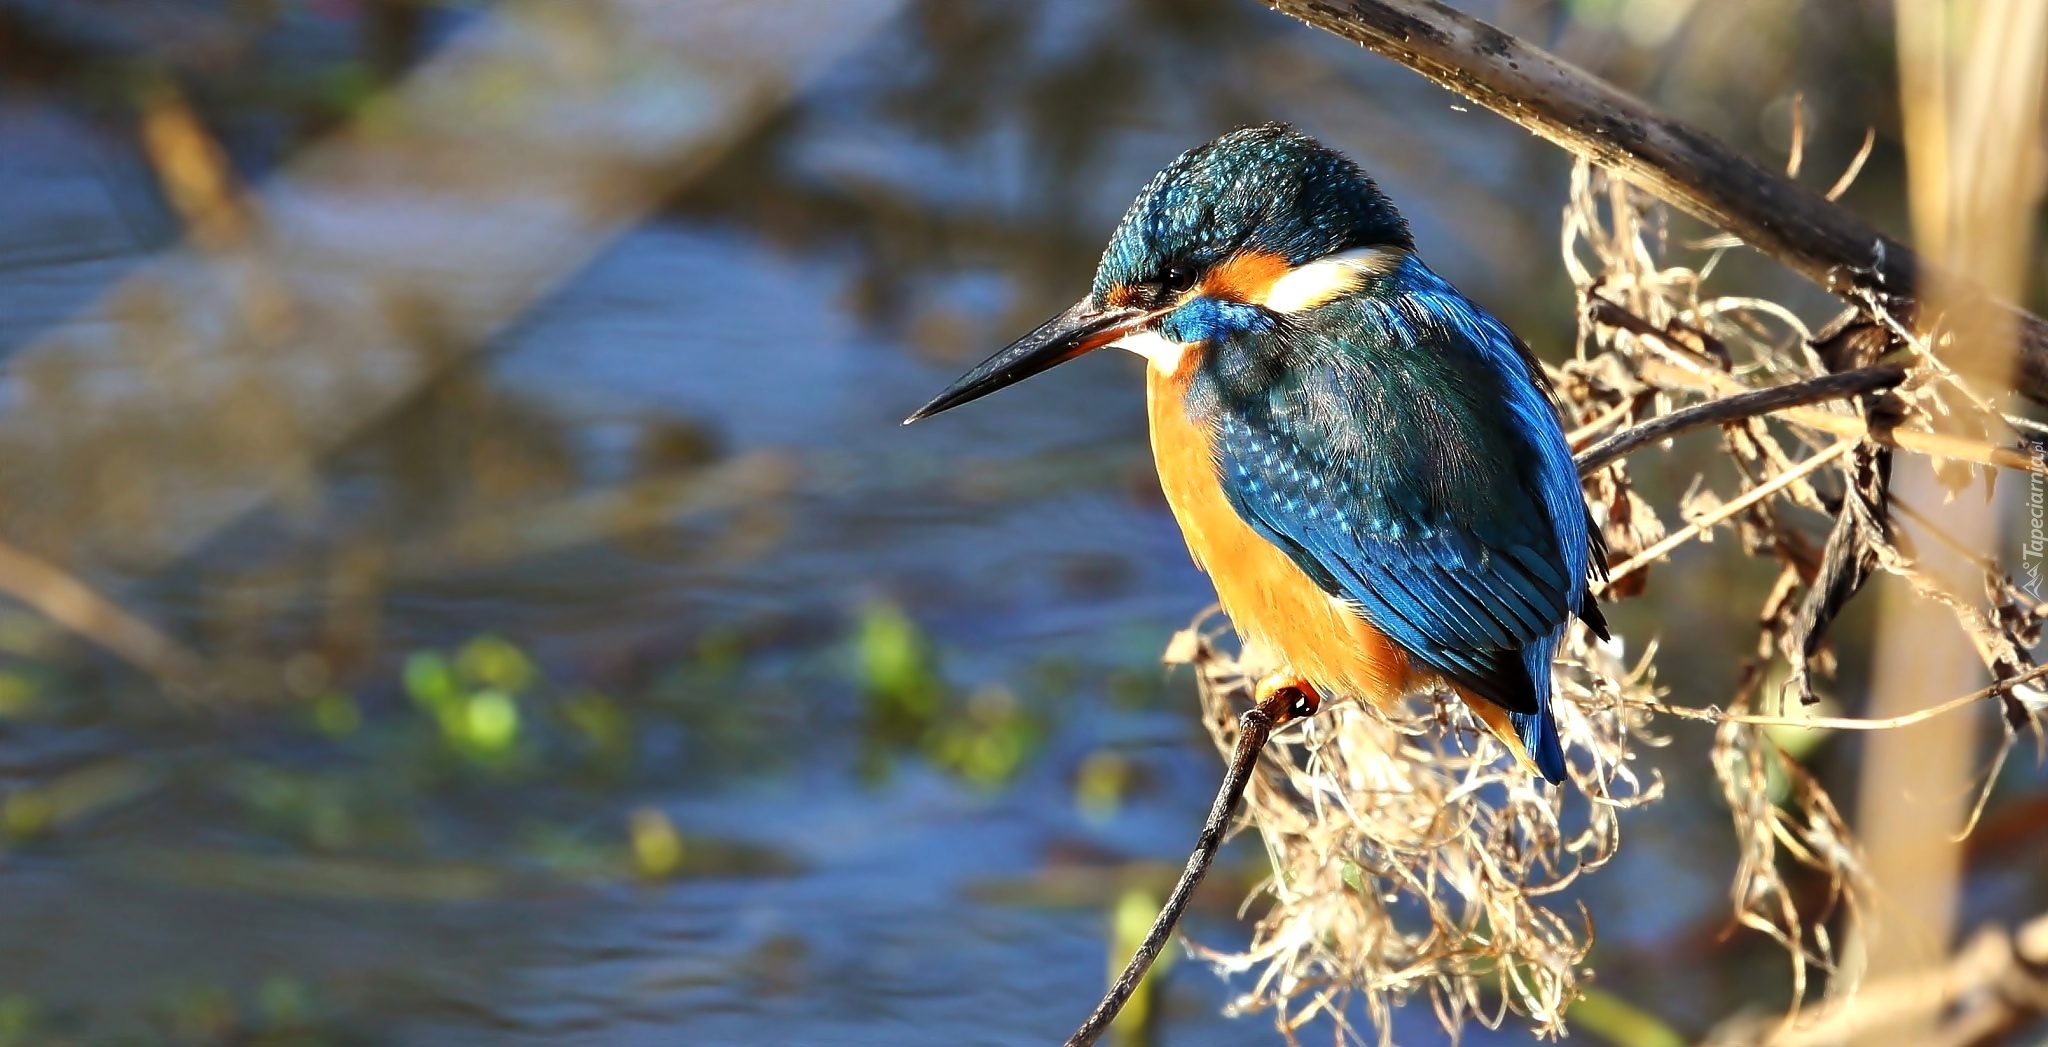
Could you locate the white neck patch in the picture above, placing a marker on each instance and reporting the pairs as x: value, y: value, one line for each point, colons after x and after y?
x: 1163, y: 353
x: 1329, y: 277
x: 1305, y: 287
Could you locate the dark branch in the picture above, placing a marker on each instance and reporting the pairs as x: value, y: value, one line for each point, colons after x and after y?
x: 1786, y: 221
x: 1253, y: 728
x: 1736, y: 408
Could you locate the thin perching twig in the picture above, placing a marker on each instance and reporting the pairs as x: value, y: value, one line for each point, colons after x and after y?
x: 1253, y: 728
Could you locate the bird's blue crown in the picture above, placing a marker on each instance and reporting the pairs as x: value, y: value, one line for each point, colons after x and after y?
x: 1268, y: 188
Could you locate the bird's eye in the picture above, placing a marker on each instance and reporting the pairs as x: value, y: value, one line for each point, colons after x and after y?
x: 1176, y: 279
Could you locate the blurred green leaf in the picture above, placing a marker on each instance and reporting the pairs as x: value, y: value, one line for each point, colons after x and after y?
x: 284, y: 1001
x: 986, y: 741
x: 27, y: 634
x: 1100, y: 784
x: 601, y: 724
x: 1129, y: 921
x: 490, y: 722
x: 1620, y: 1022
x: 75, y: 796
x: 350, y: 87
x: 20, y: 1019
x: 898, y: 670
x: 1354, y: 876
x: 721, y: 651
x: 18, y: 695
x: 336, y: 714
x: 430, y: 681
x: 657, y: 847
x: 491, y: 661
x: 474, y: 700
x: 26, y: 813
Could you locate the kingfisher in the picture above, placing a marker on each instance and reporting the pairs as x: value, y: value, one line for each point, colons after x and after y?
x: 1368, y: 465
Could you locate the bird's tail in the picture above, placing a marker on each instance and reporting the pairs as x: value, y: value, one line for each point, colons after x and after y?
x: 1531, y: 738
x: 1538, y: 731
x: 1538, y: 734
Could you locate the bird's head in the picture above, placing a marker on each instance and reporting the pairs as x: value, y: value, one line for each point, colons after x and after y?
x: 1258, y: 224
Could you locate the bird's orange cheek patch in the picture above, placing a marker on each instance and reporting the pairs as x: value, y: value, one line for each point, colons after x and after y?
x: 1119, y: 297
x: 1244, y: 277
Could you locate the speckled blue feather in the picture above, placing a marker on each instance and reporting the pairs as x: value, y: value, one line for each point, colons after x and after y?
x: 1399, y: 445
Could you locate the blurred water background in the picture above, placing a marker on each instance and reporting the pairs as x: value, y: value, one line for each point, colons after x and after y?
x: 467, y: 583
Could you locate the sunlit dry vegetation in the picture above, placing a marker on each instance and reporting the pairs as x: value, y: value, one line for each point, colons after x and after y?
x: 465, y: 580
x: 1408, y: 865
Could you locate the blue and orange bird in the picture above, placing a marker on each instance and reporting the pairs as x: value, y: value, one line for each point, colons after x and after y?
x: 1368, y: 465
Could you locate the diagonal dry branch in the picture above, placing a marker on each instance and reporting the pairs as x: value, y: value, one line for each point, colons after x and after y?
x: 1795, y: 225
x: 1677, y: 368
x: 1739, y: 407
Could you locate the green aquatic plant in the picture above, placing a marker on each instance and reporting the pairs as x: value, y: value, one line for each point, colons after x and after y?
x: 19, y: 695
x: 474, y: 697
x: 21, y: 1021
x: 985, y: 740
x: 1101, y: 784
x: 897, y: 668
x: 983, y: 737
x: 658, y: 849
x: 601, y: 727
x: 336, y: 714
x: 1129, y: 920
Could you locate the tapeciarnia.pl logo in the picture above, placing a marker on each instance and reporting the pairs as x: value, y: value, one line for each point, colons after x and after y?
x: 2037, y: 523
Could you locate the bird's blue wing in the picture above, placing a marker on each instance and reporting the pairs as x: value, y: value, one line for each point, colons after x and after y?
x: 1400, y: 449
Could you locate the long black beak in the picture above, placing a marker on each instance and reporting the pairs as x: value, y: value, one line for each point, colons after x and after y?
x: 1082, y: 328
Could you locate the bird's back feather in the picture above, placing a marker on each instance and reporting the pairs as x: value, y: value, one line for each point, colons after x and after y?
x: 1399, y: 448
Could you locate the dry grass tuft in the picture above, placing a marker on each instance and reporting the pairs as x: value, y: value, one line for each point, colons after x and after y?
x: 1782, y: 817
x: 1412, y: 858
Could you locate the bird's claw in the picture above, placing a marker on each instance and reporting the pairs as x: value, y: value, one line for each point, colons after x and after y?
x: 1283, y: 697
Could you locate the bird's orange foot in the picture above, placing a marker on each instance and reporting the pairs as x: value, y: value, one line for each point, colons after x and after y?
x: 1284, y: 697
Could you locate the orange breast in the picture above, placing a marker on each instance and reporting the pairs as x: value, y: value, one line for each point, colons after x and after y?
x: 1271, y: 601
